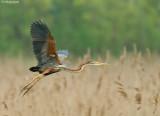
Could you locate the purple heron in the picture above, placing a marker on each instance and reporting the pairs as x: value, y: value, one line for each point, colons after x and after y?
x: 49, y: 59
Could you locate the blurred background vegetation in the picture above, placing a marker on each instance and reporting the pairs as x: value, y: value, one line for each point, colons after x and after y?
x: 77, y: 25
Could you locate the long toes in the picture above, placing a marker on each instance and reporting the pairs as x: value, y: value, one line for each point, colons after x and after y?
x: 23, y: 89
x: 27, y: 86
x: 27, y: 89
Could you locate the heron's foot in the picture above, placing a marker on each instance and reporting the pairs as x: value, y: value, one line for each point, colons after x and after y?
x: 26, y: 88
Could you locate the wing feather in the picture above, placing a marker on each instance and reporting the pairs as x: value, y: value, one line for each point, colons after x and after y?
x: 44, y: 46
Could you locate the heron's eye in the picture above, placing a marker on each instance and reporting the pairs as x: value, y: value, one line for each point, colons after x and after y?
x: 91, y: 62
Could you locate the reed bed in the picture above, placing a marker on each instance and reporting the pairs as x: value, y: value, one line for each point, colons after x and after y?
x: 128, y: 87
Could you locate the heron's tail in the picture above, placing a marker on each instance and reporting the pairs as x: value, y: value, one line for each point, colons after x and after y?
x: 34, y: 69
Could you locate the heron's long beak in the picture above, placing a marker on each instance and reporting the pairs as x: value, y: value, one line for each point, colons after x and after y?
x: 98, y: 63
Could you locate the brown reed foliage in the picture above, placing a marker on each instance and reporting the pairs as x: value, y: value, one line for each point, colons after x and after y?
x: 138, y: 98
x: 155, y: 99
x: 121, y: 90
x: 96, y: 91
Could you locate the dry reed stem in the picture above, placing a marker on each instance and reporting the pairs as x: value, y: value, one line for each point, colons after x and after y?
x: 118, y: 83
x: 99, y: 82
x: 68, y: 94
x: 121, y: 90
x: 5, y: 105
x: 139, y: 59
x: 148, y: 54
x: 138, y: 98
x: 123, y: 56
x: 89, y: 111
x: 134, y: 50
x: 107, y: 56
x: 125, y: 52
x: 119, y: 77
x: 155, y: 99
x: 87, y: 55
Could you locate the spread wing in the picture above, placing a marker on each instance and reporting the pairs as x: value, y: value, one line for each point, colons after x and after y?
x: 44, y: 46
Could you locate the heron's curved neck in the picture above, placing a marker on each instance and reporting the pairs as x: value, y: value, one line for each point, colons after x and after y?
x: 80, y: 68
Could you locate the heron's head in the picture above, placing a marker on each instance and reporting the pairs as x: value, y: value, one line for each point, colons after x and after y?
x: 96, y: 63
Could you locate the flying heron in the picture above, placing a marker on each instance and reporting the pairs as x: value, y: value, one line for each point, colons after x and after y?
x: 49, y: 59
